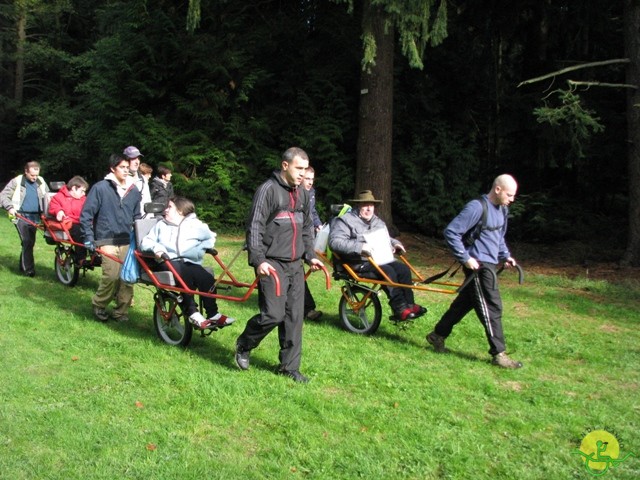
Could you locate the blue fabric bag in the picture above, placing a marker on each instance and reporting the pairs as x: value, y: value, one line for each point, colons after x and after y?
x: 130, y: 271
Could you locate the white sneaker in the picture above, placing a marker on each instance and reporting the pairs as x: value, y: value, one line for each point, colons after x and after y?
x: 221, y: 320
x: 197, y: 319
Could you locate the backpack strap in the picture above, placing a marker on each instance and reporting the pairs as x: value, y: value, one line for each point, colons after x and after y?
x: 473, y: 234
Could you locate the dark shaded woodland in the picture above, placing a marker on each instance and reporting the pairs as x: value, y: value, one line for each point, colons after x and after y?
x: 219, y: 103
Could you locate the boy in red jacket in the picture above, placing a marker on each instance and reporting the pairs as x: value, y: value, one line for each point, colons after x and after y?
x: 66, y: 206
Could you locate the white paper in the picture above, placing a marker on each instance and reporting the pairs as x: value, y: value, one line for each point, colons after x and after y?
x: 380, y: 244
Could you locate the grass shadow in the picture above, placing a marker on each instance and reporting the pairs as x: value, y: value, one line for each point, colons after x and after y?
x: 333, y: 321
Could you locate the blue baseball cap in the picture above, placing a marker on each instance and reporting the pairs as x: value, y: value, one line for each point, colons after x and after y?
x: 132, y: 152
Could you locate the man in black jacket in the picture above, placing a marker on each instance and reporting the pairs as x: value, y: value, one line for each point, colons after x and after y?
x: 279, y: 236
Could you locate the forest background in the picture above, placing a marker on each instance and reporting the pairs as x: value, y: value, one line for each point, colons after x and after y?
x: 220, y: 101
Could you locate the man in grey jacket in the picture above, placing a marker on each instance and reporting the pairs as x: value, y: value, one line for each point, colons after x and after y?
x: 26, y: 195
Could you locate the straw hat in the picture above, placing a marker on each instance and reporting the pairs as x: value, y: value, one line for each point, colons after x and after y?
x: 365, y: 196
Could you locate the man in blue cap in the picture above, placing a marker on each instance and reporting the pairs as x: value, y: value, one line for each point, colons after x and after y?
x: 133, y: 155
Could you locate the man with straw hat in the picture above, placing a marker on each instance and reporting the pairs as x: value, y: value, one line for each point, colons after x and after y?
x: 351, y: 238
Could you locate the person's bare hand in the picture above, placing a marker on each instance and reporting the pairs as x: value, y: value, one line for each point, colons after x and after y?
x: 510, y: 262
x: 472, y: 264
x: 315, y: 264
x: 264, y: 269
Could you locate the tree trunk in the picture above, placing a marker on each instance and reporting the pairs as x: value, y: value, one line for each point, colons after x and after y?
x: 21, y: 27
x: 374, y: 162
x: 632, y: 47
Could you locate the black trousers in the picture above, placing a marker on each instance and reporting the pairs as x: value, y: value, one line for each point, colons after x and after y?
x: 27, y: 233
x: 398, y: 272
x: 76, y: 235
x: 309, y: 302
x: 284, y: 312
x: 197, y: 278
x: 482, y: 295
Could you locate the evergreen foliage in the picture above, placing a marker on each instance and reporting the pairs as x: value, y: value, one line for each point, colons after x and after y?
x: 579, y: 123
x: 220, y: 89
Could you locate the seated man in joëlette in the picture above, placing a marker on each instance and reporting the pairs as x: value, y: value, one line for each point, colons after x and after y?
x: 348, y: 238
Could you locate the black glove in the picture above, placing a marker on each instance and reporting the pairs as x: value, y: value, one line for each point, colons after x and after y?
x: 90, y: 246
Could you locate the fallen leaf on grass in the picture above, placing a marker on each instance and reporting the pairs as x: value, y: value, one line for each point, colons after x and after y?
x: 151, y: 447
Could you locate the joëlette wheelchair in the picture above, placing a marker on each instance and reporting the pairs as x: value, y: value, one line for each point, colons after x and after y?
x: 59, y: 234
x: 359, y: 308
x: 171, y: 324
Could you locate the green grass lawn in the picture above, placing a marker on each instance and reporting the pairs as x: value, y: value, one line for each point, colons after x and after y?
x: 86, y: 400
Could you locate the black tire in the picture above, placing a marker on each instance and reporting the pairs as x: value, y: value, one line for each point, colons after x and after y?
x: 176, y: 329
x: 364, y: 320
x: 67, y: 271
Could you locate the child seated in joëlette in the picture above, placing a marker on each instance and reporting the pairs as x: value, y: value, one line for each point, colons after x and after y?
x: 66, y: 206
x: 185, y: 239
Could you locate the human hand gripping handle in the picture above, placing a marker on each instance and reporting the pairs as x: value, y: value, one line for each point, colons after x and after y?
x: 472, y: 264
x: 90, y: 246
x: 316, y: 264
x: 399, y: 249
x: 266, y: 270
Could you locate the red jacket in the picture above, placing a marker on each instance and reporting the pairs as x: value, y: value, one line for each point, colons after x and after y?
x: 65, y: 202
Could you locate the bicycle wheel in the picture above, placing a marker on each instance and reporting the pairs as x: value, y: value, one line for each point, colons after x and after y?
x: 66, y: 269
x: 360, y: 310
x: 171, y: 325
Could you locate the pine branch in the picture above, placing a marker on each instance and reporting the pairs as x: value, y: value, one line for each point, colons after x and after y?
x: 575, y: 67
x: 576, y: 83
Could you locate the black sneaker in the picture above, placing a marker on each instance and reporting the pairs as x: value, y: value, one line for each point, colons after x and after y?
x: 242, y: 358
x: 438, y: 342
x: 101, y: 313
x: 295, y: 375
x: 313, y: 315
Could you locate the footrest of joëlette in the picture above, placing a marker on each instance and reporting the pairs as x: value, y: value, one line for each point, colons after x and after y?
x: 398, y: 322
x: 55, y: 236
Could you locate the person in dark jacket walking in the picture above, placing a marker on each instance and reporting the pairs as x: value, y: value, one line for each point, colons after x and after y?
x: 479, y: 259
x: 106, y: 220
x: 161, y: 187
x: 279, y: 237
x: 310, y: 312
x: 26, y: 194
